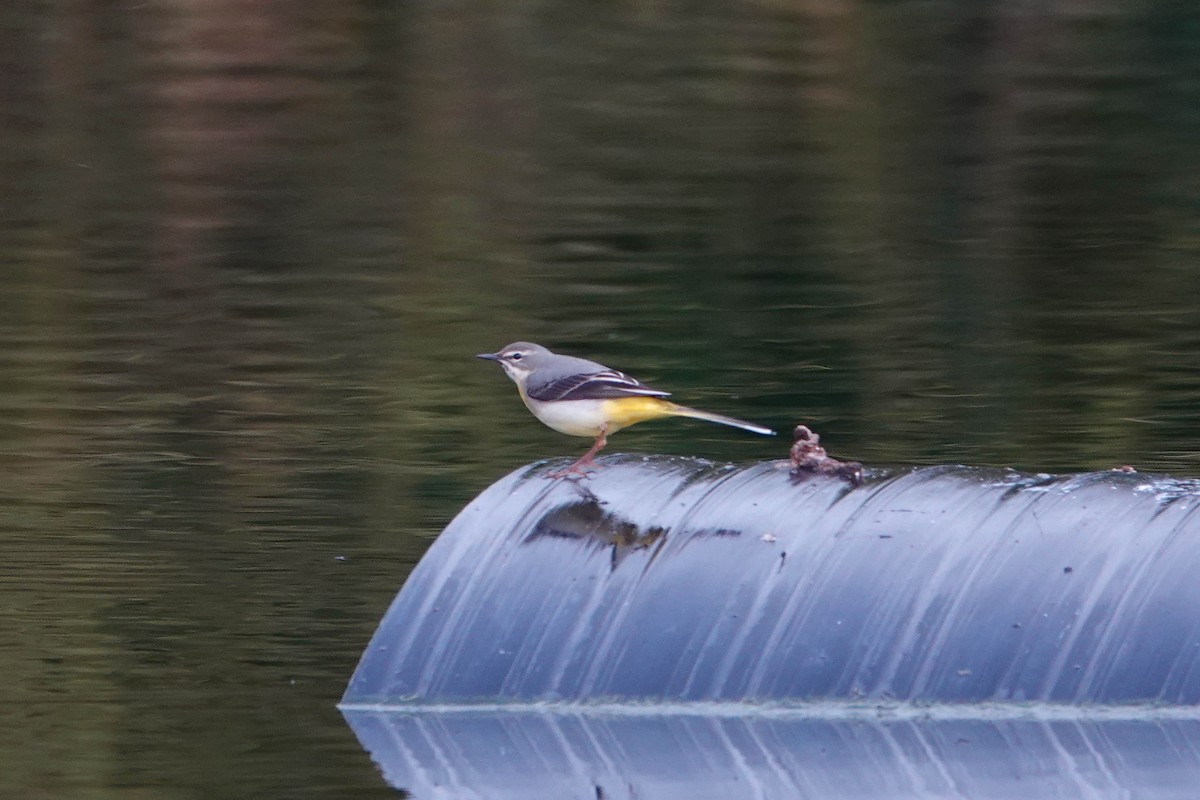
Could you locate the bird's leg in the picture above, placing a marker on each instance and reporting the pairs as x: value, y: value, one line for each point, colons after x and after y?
x: 586, y: 460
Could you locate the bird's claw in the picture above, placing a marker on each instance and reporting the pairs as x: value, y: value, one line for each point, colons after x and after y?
x: 580, y: 469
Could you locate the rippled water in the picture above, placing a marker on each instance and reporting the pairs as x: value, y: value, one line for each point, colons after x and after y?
x: 247, y: 251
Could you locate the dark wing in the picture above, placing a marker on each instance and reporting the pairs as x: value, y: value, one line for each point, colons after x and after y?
x: 606, y: 385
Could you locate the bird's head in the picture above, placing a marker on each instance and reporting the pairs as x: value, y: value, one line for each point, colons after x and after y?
x: 519, y: 359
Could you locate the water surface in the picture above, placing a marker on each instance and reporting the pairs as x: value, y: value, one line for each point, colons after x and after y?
x: 247, y: 251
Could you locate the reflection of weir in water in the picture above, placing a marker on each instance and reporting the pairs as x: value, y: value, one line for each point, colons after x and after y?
x: 498, y: 754
x: 671, y: 628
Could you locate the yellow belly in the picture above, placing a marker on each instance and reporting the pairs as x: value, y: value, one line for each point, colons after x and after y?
x: 587, y: 417
x: 631, y: 410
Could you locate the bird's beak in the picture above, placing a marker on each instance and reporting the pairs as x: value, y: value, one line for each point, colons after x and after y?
x: 488, y: 356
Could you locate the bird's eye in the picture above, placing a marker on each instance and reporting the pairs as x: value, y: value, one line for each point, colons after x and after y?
x: 515, y: 357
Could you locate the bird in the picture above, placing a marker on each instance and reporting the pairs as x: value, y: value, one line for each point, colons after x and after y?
x: 584, y: 398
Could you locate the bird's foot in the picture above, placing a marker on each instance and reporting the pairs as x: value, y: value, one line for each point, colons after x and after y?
x: 580, y: 469
x: 585, y: 461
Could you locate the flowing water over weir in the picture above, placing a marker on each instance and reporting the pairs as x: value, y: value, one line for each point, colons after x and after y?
x: 937, y: 631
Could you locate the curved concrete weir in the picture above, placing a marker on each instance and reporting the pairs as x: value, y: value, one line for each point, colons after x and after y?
x: 672, y: 579
x: 945, y: 631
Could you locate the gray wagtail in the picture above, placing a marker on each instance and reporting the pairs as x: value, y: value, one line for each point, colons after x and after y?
x: 582, y: 398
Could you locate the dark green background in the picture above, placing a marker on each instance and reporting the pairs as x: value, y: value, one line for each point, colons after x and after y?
x: 248, y: 249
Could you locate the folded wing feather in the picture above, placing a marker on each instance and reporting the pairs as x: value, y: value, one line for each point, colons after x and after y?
x: 606, y: 385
